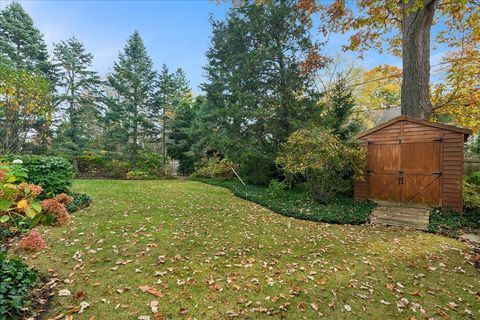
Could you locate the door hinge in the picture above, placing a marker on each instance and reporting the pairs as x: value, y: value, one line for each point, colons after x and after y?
x: 370, y: 142
x: 438, y: 140
x: 439, y: 173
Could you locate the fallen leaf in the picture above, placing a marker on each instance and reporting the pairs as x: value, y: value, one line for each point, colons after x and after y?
x: 151, y: 290
x: 83, y: 305
x: 154, y: 306
x: 64, y: 293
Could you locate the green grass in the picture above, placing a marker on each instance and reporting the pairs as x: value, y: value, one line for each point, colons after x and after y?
x: 297, y: 203
x: 227, y: 256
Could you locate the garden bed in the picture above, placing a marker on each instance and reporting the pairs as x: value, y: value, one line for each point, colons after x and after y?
x: 297, y: 203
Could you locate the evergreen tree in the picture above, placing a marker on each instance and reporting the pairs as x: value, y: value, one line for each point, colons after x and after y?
x: 257, y: 86
x: 173, y: 94
x: 131, y: 106
x: 78, y: 95
x: 21, y: 42
x: 339, y: 107
x: 164, y: 99
x: 181, y: 137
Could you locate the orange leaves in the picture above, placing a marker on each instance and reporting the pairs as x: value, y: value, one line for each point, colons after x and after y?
x: 151, y: 290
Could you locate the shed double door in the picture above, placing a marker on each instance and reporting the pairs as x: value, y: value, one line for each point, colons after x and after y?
x: 405, y: 172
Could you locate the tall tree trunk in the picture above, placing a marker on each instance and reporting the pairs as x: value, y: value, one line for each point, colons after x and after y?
x: 416, y: 27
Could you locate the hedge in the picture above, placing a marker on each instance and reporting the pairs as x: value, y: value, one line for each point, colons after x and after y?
x: 54, y: 174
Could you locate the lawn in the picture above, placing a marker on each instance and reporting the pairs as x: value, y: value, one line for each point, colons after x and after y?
x: 206, y: 254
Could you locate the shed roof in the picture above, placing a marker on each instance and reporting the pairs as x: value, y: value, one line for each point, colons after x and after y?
x: 464, y: 131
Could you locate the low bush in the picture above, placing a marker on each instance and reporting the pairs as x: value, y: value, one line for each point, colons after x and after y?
x: 297, y: 203
x: 80, y: 201
x: 327, y: 164
x: 452, y: 224
x: 150, y: 162
x: 33, y: 241
x: 474, y: 178
x: 138, y: 175
x: 16, y: 280
x: 276, y: 188
x: 53, y: 174
x: 19, y: 199
x: 471, y: 196
x: 99, y: 166
x: 215, y: 167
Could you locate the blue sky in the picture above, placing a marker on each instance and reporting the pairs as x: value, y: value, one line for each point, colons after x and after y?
x: 175, y: 32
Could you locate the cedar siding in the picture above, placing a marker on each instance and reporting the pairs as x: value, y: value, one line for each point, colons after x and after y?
x: 420, y: 137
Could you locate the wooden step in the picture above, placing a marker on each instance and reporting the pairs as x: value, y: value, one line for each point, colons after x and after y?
x: 400, y: 218
x: 412, y: 217
x: 406, y: 210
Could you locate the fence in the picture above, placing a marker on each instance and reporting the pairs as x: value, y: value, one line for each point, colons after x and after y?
x: 471, y: 165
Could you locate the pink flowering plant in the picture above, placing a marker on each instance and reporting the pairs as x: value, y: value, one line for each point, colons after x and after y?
x: 33, y: 241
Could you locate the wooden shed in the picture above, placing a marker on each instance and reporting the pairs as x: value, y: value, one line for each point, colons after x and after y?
x: 414, y: 162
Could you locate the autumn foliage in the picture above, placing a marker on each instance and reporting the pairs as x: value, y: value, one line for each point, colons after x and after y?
x: 33, y: 241
x: 56, y: 208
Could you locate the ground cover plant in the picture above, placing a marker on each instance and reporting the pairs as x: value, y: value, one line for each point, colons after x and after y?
x: 186, y: 249
x: 16, y: 280
x: 297, y: 203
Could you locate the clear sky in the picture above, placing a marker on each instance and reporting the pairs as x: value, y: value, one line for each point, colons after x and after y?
x: 175, y: 32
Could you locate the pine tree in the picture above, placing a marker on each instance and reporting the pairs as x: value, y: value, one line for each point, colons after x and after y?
x: 78, y: 95
x: 21, y: 42
x: 257, y: 86
x: 131, y: 106
x: 338, y: 109
x: 173, y: 93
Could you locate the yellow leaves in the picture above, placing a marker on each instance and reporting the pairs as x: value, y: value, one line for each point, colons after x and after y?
x: 22, y: 204
x: 458, y: 99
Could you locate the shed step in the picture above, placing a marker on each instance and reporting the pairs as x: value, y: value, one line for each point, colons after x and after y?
x: 402, y: 224
x: 401, y: 216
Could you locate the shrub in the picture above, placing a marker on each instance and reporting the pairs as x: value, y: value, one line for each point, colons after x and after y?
x: 150, y: 162
x: 138, y: 174
x: 116, y: 169
x: 33, y: 241
x: 451, y: 223
x: 80, y: 201
x: 276, y: 188
x: 16, y: 279
x: 471, y: 195
x: 17, y: 198
x: 327, y: 164
x: 94, y: 166
x: 215, y: 167
x: 56, y: 209
x: 54, y: 174
x: 91, y: 165
x: 474, y: 178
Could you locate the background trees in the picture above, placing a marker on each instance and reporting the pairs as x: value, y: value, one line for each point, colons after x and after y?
x: 78, y: 94
x: 131, y: 106
x: 256, y: 85
x: 21, y: 43
x: 265, y: 79
x: 403, y: 28
x: 25, y: 105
